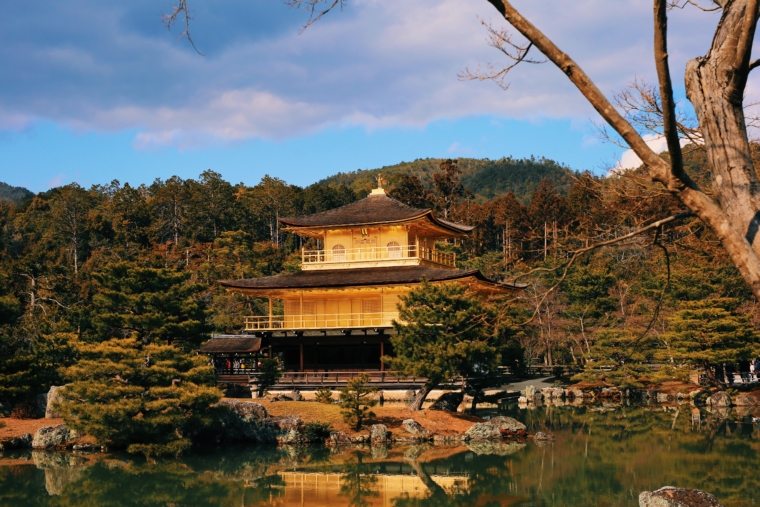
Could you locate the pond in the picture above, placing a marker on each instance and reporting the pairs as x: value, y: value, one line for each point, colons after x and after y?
x: 602, y: 456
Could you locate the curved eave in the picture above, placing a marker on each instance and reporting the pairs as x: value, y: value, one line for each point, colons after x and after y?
x: 315, y: 230
x: 380, y: 277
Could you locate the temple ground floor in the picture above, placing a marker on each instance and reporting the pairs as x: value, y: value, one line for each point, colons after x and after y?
x: 309, y: 359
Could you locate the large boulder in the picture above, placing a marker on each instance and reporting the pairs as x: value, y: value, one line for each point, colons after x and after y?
x: 677, y: 497
x: 246, y: 421
x: 378, y: 433
x: 413, y: 427
x: 719, y: 399
x: 530, y: 391
x: 744, y: 400
x: 53, y: 396
x: 295, y: 395
x: 53, y: 436
x: 506, y: 423
x: 448, y: 401
x: 483, y: 431
x: 339, y: 438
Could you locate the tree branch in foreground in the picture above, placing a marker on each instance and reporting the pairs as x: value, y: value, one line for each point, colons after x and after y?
x: 577, y: 253
x: 501, y: 39
x: 181, y: 11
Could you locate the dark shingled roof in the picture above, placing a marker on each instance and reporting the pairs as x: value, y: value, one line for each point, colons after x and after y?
x: 373, y: 209
x: 327, y: 278
x: 231, y: 344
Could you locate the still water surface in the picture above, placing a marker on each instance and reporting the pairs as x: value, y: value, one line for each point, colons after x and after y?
x: 602, y: 456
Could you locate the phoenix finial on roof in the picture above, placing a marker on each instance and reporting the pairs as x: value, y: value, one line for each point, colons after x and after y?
x: 380, y: 180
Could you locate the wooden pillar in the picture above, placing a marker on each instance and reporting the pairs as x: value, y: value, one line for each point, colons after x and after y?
x: 270, y: 352
x: 382, y: 353
x: 301, y: 309
x: 270, y: 312
x: 301, y: 356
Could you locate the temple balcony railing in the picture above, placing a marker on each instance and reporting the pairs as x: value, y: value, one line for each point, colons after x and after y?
x: 321, y: 321
x: 396, y: 254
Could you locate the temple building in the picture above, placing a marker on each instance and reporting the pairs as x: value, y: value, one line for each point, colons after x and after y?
x: 337, y: 313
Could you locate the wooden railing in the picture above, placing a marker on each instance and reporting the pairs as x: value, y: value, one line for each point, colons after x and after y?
x: 376, y: 253
x: 321, y: 321
x: 342, y: 377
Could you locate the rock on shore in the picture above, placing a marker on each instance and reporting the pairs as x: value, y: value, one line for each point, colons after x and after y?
x: 53, y: 436
x: 448, y: 401
x: 22, y: 442
x: 677, y: 497
x: 506, y: 423
x: 53, y: 396
x: 719, y: 399
x: 483, y: 431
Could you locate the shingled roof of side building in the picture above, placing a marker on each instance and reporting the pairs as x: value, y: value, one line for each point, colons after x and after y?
x: 375, y: 209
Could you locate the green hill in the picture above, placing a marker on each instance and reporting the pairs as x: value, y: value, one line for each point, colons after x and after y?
x: 485, y: 178
x: 16, y: 195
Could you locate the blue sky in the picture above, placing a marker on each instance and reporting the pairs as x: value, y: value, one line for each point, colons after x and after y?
x: 94, y: 91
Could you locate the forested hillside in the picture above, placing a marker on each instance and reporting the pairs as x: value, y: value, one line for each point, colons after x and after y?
x: 16, y: 195
x: 483, y: 177
x: 81, y: 266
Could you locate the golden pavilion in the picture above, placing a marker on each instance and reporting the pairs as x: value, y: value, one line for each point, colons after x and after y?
x: 337, y: 312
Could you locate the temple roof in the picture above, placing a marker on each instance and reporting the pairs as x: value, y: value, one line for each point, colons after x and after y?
x: 335, y: 278
x: 375, y: 209
x: 223, y: 344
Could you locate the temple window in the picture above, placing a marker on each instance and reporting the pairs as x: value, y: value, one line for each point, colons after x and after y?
x: 339, y: 253
x: 394, y: 250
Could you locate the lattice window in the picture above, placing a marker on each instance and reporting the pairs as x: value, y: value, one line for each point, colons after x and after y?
x: 371, y: 306
x: 339, y: 253
x: 394, y: 250
x: 292, y: 307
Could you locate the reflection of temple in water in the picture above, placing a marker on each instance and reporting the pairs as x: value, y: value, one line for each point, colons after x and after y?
x: 315, y: 489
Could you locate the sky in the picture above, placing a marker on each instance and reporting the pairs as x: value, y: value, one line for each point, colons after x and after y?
x: 93, y: 91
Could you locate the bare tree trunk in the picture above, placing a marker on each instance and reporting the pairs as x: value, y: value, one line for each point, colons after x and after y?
x: 420, y: 398
x: 715, y: 85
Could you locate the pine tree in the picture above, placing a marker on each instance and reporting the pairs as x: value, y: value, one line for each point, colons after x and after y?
x: 356, y: 400
x: 444, y: 331
x: 708, y: 334
x: 153, y: 305
x: 150, y: 398
x: 618, y: 357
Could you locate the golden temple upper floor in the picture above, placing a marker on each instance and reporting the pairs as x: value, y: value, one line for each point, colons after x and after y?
x: 376, y: 231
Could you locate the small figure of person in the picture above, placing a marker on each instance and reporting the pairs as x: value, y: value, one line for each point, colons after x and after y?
x: 227, y: 365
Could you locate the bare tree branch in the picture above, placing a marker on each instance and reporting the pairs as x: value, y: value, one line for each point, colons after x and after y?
x: 181, y: 11
x: 577, y: 253
x: 669, y: 123
x: 680, y: 4
x: 501, y: 39
x: 315, y: 14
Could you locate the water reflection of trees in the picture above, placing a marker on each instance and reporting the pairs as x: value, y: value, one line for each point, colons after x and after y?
x: 601, y: 456
x: 359, y: 483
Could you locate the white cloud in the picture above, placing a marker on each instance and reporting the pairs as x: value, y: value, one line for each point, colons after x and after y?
x: 379, y: 64
x: 629, y: 160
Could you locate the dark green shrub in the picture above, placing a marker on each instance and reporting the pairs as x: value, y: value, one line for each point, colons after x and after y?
x: 324, y: 395
x: 316, y: 431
